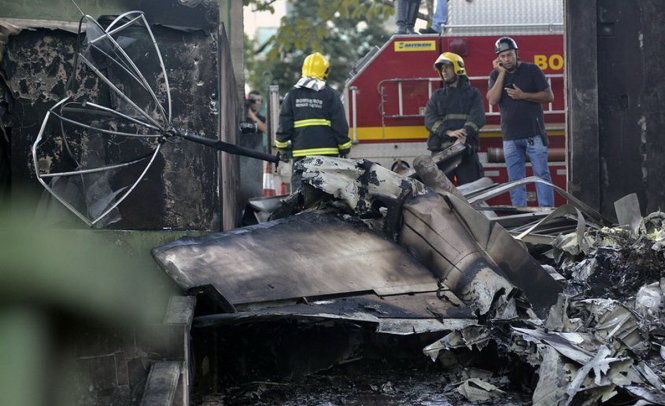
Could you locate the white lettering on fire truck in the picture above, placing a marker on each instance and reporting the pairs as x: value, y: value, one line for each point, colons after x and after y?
x: 410, y: 46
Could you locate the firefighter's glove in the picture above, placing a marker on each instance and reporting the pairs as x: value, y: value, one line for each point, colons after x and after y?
x: 284, y: 155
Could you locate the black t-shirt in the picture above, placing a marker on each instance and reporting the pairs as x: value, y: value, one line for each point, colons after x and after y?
x: 262, y: 119
x: 521, y: 118
x: 255, y: 140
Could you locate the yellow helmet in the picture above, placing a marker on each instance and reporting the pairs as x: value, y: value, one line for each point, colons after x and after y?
x: 315, y: 66
x: 450, y: 58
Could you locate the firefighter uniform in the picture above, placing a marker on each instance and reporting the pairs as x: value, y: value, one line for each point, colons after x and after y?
x: 314, y: 122
x: 453, y: 108
x: 312, y: 119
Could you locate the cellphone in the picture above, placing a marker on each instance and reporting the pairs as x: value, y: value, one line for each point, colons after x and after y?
x: 500, y: 64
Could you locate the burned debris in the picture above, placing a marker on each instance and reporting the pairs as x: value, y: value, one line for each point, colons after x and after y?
x: 540, y: 306
x: 360, y: 245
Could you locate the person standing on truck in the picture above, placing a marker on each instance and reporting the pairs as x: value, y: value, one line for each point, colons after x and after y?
x: 439, y: 18
x: 520, y: 88
x: 406, y: 15
x: 312, y: 119
x: 455, y: 114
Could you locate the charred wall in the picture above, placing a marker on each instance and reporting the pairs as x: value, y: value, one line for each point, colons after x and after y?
x: 616, y: 141
x: 182, y: 189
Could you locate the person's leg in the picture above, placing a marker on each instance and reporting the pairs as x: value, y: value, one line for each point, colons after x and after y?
x: 414, y: 6
x: 514, y: 152
x: 538, y: 156
x: 440, y: 15
x: 401, y: 15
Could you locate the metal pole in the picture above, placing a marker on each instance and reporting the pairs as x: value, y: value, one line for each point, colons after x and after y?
x: 399, y: 97
x: 354, y: 115
x: 273, y: 114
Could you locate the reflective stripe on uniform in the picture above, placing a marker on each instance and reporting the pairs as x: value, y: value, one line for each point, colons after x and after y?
x: 280, y: 144
x: 455, y: 117
x: 346, y: 145
x: 315, y: 151
x: 472, y: 125
x: 311, y: 121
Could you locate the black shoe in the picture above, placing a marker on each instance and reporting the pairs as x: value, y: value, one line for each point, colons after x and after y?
x: 428, y: 30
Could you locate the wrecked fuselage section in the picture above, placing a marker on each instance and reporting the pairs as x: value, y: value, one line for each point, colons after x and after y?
x: 357, y: 227
x: 362, y: 262
x: 359, y: 245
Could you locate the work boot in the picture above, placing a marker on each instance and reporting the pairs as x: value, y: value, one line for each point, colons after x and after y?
x: 428, y: 30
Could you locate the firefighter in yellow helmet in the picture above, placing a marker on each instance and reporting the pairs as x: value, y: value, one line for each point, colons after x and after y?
x: 312, y: 119
x: 454, y: 115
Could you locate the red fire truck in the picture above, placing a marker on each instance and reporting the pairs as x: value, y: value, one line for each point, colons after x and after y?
x: 388, y: 90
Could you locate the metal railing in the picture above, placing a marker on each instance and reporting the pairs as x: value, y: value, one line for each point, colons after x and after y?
x: 490, y: 111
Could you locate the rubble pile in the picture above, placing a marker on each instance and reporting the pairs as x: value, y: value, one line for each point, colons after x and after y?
x: 604, y: 339
x: 362, y: 246
x: 614, y: 262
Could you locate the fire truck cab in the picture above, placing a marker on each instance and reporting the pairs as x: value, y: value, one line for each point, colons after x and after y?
x: 387, y: 92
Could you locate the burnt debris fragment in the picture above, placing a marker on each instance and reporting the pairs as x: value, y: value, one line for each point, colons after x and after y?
x: 573, y: 314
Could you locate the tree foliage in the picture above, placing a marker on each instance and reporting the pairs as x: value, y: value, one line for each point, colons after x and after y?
x: 342, y: 30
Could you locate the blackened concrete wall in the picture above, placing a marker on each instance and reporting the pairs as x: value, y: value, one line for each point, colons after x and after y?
x: 181, y: 189
x: 615, y: 93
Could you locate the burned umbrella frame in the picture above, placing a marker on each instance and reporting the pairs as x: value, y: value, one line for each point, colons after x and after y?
x: 154, y: 127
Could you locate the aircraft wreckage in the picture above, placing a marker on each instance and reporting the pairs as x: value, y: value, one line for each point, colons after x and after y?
x: 361, y: 245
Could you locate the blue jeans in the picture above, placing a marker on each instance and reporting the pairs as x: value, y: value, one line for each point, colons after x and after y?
x: 440, y: 15
x: 515, y: 152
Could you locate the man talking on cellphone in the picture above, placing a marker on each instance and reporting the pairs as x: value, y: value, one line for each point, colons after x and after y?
x: 520, y: 88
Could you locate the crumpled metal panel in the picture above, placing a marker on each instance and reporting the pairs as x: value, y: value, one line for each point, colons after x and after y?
x: 307, y: 255
x: 476, y: 259
x: 440, y: 241
x: 519, y: 267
